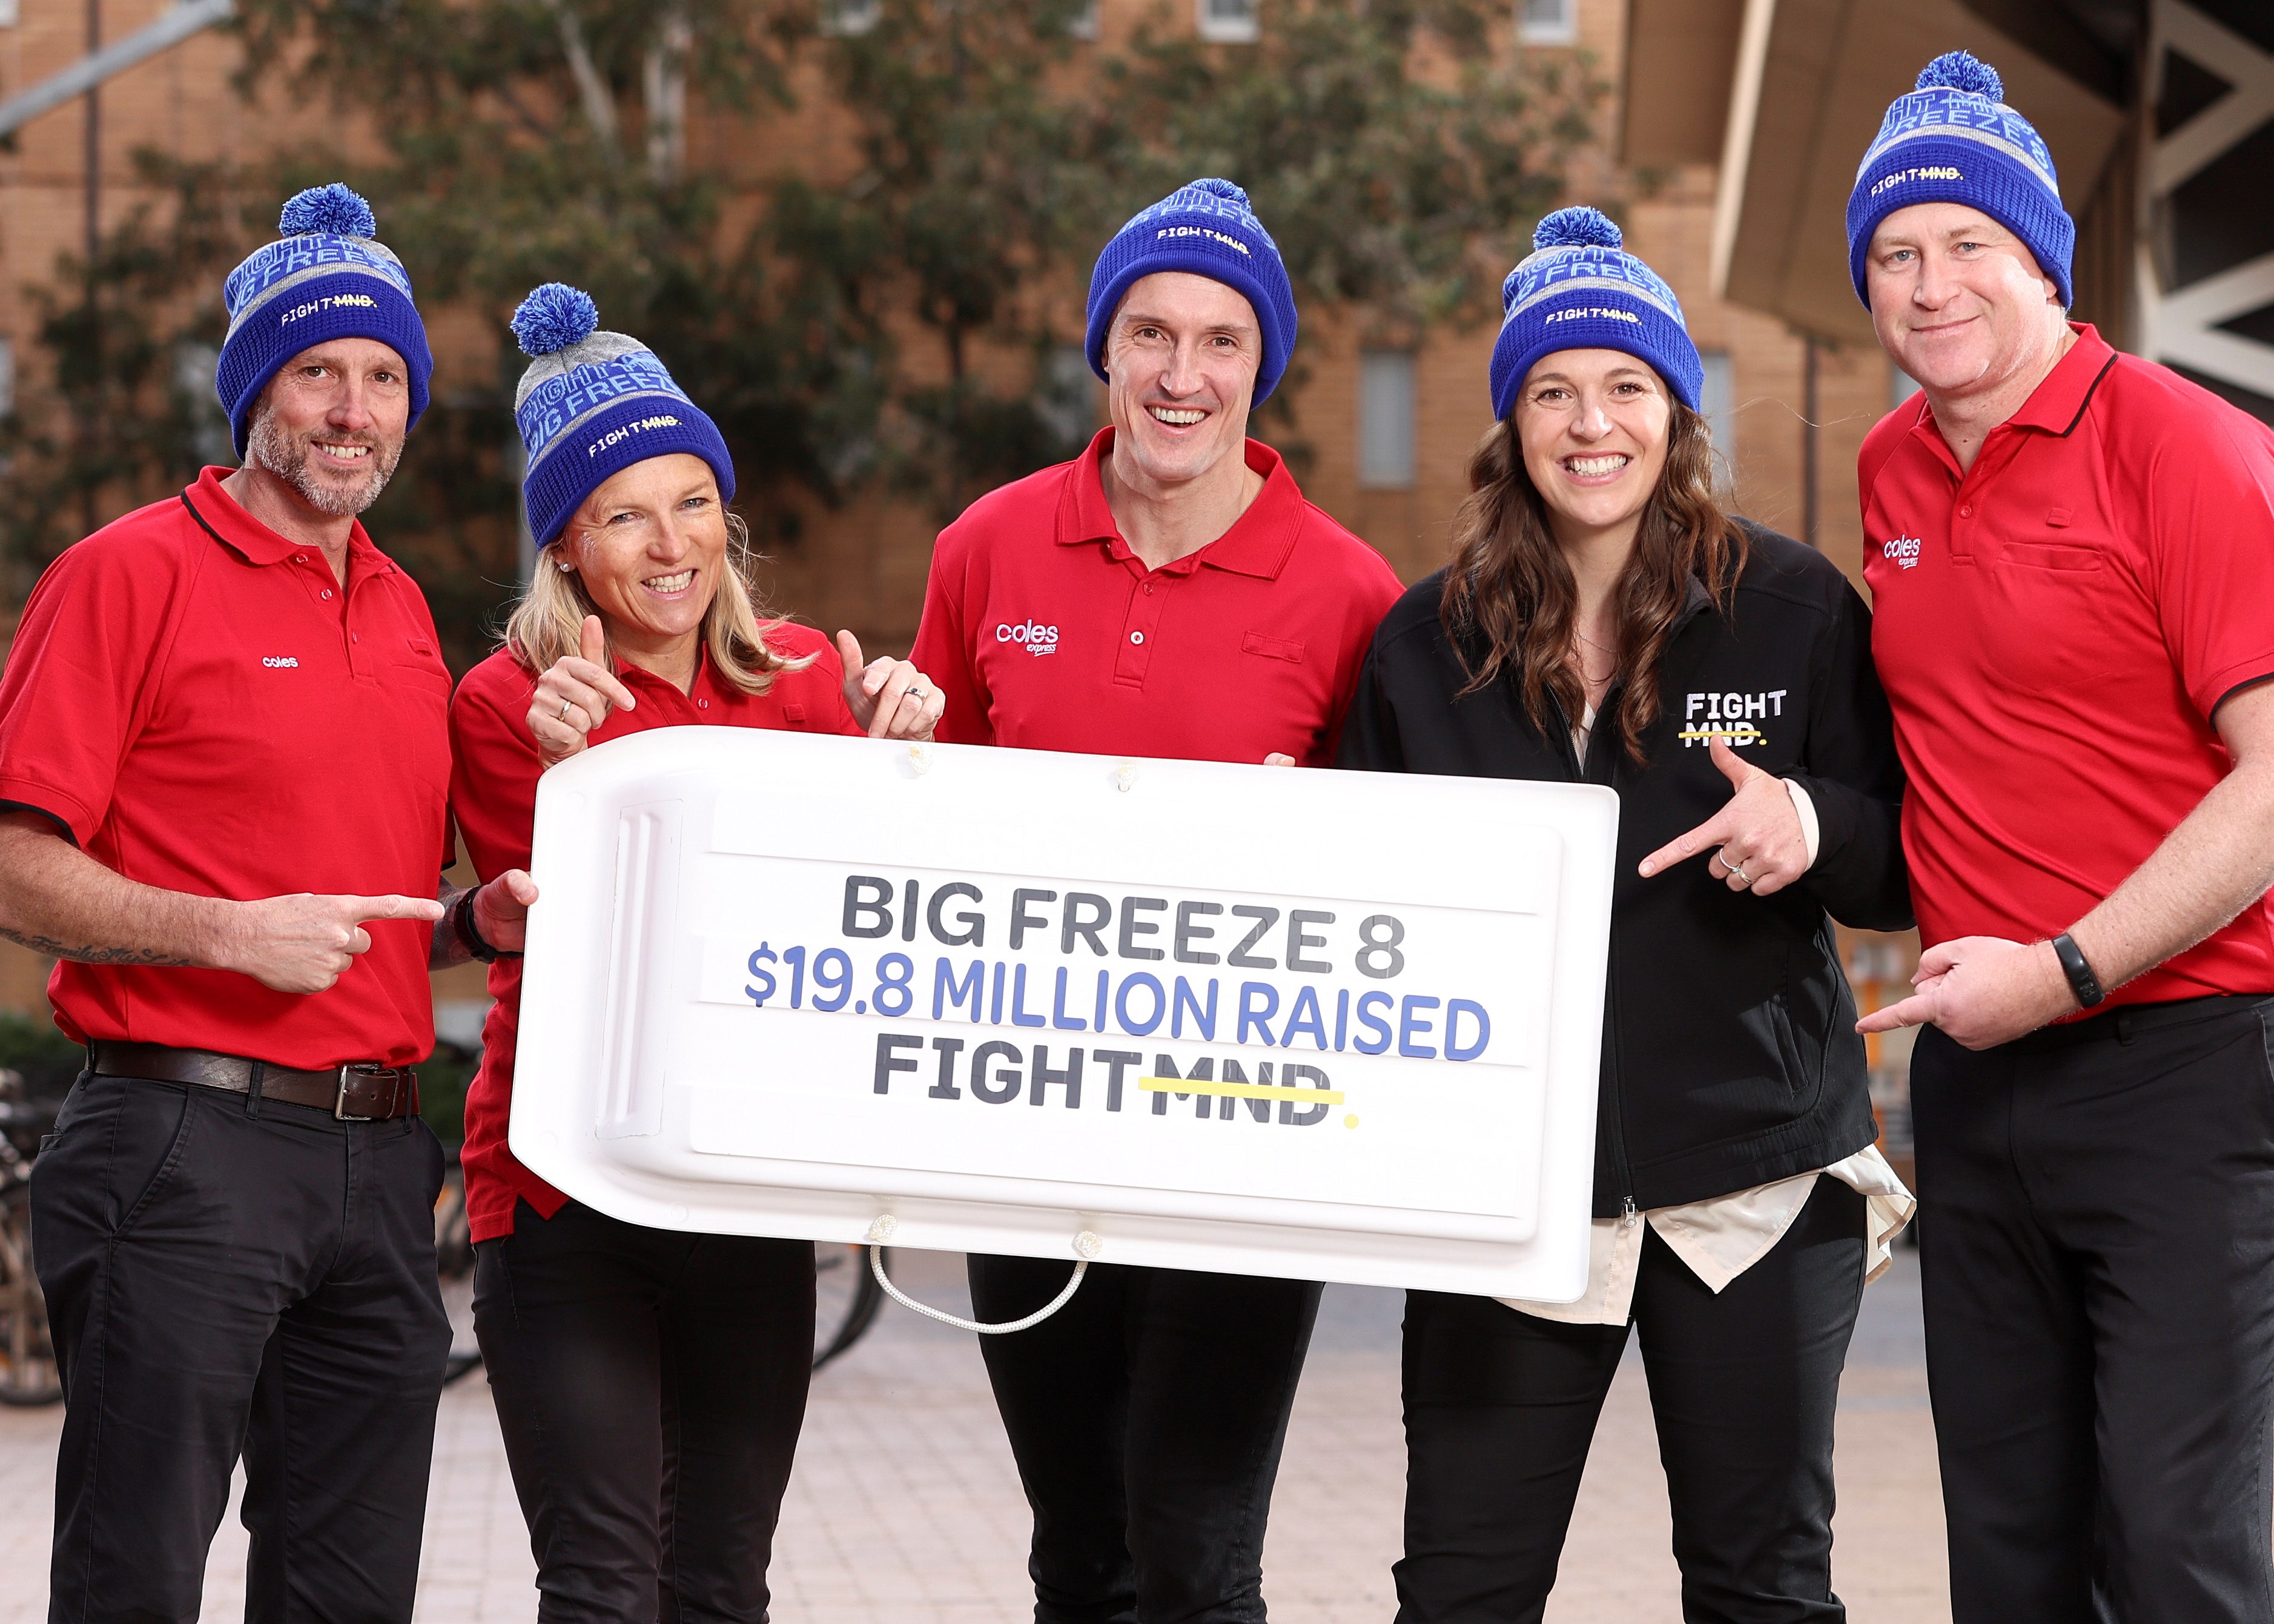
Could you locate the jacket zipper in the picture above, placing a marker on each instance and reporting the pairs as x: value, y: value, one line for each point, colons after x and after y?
x: 1618, y: 1101
x: 1618, y: 1118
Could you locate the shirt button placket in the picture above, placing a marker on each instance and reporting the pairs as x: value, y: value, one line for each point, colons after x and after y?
x: 1137, y: 633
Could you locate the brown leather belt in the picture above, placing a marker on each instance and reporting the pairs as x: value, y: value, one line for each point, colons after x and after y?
x: 364, y: 1091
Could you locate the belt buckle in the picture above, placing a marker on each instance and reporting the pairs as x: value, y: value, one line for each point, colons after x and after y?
x: 362, y: 1068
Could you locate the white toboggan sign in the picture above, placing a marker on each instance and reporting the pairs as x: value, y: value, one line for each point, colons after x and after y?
x: 1327, y: 1026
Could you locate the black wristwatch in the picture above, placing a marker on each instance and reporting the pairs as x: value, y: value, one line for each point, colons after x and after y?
x: 470, y: 935
x: 2081, y: 980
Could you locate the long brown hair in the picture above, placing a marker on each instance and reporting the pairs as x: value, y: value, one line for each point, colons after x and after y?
x: 1511, y: 601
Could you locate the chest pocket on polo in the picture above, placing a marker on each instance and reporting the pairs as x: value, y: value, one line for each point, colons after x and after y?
x: 2049, y: 611
x: 1288, y: 649
x: 415, y: 663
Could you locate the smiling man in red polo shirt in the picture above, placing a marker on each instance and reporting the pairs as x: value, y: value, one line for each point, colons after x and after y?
x: 1168, y: 593
x: 2072, y: 556
x: 223, y: 768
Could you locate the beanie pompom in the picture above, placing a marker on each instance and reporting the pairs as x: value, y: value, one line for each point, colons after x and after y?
x: 332, y: 210
x: 1578, y: 227
x: 1954, y: 138
x: 553, y: 317
x: 1223, y: 188
x: 1963, y: 71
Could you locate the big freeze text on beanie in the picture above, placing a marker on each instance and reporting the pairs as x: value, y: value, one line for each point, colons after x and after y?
x: 1954, y: 140
x: 327, y: 278
x: 1207, y: 229
x: 1579, y: 290
x: 593, y: 404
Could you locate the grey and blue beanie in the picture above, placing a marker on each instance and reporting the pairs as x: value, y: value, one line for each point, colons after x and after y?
x: 328, y: 278
x: 1954, y: 140
x: 1209, y: 230
x: 1579, y: 290
x: 593, y: 404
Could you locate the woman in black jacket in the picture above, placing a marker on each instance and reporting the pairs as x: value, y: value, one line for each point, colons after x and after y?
x: 1603, y: 621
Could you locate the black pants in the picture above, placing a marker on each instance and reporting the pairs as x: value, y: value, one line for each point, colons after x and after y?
x: 2097, y: 1253
x: 1501, y: 1406
x: 1146, y: 1418
x: 650, y: 1385
x: 228, y: 1275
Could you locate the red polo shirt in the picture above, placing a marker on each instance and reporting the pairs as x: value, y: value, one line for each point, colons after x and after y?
x: 2055, y: 628
x: 1044, y: 632
x: 493, y: 797
x: 208, y: 711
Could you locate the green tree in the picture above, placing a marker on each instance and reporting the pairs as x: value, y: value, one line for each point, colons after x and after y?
x: 864, y: 301
x: 130, y: 406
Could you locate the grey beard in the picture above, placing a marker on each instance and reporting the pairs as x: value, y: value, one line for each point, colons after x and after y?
x: 288, y: 458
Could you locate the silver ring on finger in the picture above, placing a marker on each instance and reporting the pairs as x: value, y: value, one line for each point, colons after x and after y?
x: 1718, y: 858
x: 565, y: 705
x: 1737, y: 872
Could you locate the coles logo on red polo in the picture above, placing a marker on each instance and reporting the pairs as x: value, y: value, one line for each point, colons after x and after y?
x: 1902, y: 551
x: 1037, y: 638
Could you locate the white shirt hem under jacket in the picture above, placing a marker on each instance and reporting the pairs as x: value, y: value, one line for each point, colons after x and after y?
x: 1722, y: 1238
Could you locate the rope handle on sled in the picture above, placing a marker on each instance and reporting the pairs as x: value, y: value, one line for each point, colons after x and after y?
x: 1086, y: 1246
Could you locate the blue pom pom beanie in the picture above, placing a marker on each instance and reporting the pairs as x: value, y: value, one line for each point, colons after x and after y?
x: 1954, y: 140
x: 593, y: 404
x: 328, y: 278
x: 1209, y: 230
x: 1579, y: 290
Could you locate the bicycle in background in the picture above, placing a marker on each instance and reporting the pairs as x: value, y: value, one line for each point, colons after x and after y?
x: 28, y: 1356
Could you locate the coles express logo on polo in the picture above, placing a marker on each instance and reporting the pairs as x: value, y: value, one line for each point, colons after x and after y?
x: 1037, y: 638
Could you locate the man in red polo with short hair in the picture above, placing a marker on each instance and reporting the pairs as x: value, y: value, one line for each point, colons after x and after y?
x: 1168, y: 593
x: 2071, y: 553
x: 224, y: 772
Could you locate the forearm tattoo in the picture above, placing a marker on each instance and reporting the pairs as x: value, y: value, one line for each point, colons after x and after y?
x: 148, y: 956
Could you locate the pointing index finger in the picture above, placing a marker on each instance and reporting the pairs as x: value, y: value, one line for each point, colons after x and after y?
x: 1915, y: 1010
x: 1711, y: 832
x: 395, y: 907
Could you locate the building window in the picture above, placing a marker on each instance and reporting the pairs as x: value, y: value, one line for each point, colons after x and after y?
x: 1385, y: 420
x: 1901, y: 386
x: 1227, y: 22
x: 1548, y: 22
x: 1717, y: 403
x: 194, y: 367
x: 850, y: 17
x: 1065, y: 396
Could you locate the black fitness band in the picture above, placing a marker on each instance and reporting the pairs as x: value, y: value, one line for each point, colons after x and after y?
x: 470, y: 934
x: 2081, y: 980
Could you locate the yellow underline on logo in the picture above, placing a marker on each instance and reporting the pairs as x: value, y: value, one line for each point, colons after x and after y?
x: 1240, y: 1090
x: 1745, y: 732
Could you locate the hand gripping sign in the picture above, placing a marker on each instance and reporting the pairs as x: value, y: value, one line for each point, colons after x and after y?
x: 1327, y: 1025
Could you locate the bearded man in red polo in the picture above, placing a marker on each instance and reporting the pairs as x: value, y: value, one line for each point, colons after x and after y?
x: 223, y: 771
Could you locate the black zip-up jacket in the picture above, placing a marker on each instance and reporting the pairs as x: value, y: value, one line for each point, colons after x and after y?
x: 1730, y: 1057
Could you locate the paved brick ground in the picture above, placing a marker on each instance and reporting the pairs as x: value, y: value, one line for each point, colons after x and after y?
x: 905, y: 1510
